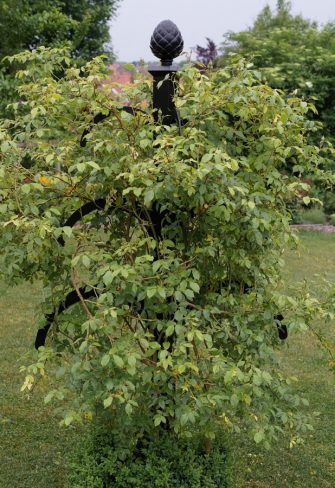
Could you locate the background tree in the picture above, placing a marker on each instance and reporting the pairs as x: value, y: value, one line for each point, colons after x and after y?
x: 81, y: 25
x: 292, y: 54
x: 208, y: 54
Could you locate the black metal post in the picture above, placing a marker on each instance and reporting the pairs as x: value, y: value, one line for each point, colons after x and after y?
x: 166, y: 44
x: 163, y: 94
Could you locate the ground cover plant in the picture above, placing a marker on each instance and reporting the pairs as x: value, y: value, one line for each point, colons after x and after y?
x: 177, y: 270
x: 162, y: 462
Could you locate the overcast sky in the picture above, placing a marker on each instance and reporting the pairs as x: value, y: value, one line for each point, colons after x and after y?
x: 197, y: 19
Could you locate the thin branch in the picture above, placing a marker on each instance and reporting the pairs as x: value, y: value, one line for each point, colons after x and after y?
x: 81, y: 298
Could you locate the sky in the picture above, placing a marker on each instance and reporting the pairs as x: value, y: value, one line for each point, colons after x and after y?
x: 197, y: 19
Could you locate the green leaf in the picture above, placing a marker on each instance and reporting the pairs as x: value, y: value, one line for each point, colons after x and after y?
x: 151, y: 291
x: 131, y: 360
x: 159, y: 419
x: 118, y: 361
x: 234, y: 400
x: 67, y: 231
x: 68, y: 419
x: 179, y: 296
x: 149, y: 195
x: 49, y: 397
x: 105, y: 360
x: 199, y: 335
x: 195, y: 287
x: 25, y: 189
x: 259, y: 436
x: 108, y: 401
x: 129, y: 409
x: 108, y: 278
x: 206, y: 158
x: 156, y: 265
x: 161, y: 292
x: 93, y: 165
x: 169, y: 330
x: 189, y: 294
x: 86, y: 261
x: 144, y: 143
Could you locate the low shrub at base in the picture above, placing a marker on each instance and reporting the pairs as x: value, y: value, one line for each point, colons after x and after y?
x: 165, y: 462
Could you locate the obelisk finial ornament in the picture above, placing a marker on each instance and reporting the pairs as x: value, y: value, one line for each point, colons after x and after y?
x: 166, y: 42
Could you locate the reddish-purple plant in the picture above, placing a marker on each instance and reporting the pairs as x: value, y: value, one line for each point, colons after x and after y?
x: 208, y: 54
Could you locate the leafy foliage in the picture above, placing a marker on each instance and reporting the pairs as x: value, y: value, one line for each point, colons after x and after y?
x: 293, y: 54
x: 163, y: 462
x: 82, y: 26
x: 313, y: 216
x: 184, y: 260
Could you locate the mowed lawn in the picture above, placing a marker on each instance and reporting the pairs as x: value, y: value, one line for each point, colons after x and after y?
x: 311, y: 465
x: 33, y: 448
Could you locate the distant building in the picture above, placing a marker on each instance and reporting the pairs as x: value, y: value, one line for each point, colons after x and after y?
x: 120, y: 75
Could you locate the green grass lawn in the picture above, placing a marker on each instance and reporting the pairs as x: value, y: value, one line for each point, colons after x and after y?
x: 32, y: 445
x: 311, y: 465
x: 33, y: 448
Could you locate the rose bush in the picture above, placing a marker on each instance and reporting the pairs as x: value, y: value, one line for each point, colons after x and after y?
x: 178, y: 270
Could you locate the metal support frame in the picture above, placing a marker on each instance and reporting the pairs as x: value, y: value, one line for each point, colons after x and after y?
x: 166, y: 43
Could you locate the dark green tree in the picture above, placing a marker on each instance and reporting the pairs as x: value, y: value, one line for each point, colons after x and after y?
x: 83, y: 25
x: 80, y: 25
x: 293, y: 54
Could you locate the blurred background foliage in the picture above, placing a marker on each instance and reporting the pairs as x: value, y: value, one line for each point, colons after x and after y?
x: 80, y: 25
x: 297, y: 56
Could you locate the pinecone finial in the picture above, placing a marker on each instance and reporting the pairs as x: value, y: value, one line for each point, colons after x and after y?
x: 166, y: 42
